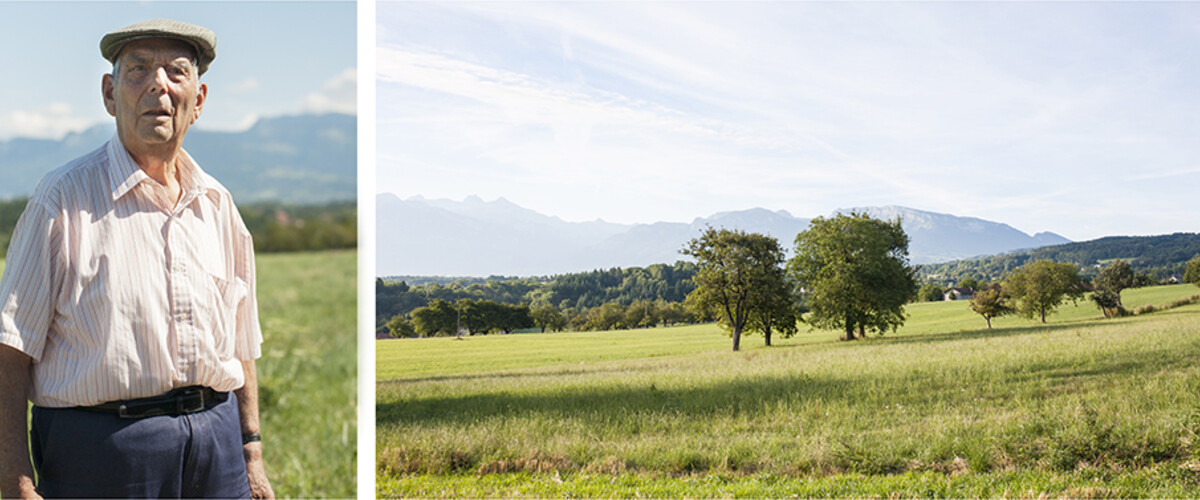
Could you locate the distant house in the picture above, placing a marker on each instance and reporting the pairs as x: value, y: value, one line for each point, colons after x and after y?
x: 958, y: 294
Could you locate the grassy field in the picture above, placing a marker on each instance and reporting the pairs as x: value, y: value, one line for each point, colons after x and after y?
x: 1081, y: 406
x: 307, y: 304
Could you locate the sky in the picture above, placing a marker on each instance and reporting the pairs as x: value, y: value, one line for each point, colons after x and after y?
x: 273, y: 59
x: 1077, y: 118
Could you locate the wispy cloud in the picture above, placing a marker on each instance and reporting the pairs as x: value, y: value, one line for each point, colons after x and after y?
x: 338, y: 95
x: 245, y: 86
x: 52, y: 121
x: 648, y: 111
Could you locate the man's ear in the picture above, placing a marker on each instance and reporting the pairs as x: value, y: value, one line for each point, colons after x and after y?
x: 106, y: 90
x: 201, y: 96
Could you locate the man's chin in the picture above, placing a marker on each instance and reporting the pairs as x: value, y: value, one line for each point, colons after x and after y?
x: 155, y: 136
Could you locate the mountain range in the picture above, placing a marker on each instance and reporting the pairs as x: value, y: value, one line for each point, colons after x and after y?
x: 473, y: 237
x: 293, y: 159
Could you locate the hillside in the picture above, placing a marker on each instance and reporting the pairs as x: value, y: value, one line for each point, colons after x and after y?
x: 296, y: 159
x: 1162, y: 256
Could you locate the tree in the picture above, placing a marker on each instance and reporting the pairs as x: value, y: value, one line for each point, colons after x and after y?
x: 608, y: 316
x: 548, y: 316
x: 1040, y: 287
x: 776, y: 308
x: 400, y: 326
x: 1116, y: 276
x: 1108, y: 302
x: 437, y: 317
x: 856, y: 271
x: 513, y: 318
x: 1191, y: 272
x: 991, y: 303
x: 735, y: 276
x: 930, y: 292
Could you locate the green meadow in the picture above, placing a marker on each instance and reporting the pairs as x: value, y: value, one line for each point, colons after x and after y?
x: 1081, y: 406
x: 307, y: 307
x: 307, y: 374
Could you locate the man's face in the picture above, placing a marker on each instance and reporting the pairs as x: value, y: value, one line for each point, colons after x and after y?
x: 154, y: 93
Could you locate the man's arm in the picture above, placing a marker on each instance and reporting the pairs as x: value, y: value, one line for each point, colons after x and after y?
x: 247, y: 396
x: 16, y: 472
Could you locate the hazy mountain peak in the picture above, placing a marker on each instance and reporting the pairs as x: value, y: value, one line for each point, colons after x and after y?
x: 456, y: 240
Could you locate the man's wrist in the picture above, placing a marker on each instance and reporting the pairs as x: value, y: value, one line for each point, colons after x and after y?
x: 251, y: 437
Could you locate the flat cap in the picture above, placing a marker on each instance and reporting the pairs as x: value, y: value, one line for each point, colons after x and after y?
x: 199, y: 37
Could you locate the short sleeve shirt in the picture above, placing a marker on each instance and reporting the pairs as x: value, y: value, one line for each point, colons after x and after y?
x: 116, y: 297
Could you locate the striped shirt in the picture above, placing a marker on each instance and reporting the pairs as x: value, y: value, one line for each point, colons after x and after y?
x: 115, y: 296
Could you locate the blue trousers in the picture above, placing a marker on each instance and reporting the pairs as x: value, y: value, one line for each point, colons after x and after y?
x: 84, y: 454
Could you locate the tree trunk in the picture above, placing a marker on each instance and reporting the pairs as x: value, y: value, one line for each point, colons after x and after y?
x: 989, y: 321
x: 1043, y: 315
x: 849, y: 329
x: 767, y: 331
x: 737, y: 338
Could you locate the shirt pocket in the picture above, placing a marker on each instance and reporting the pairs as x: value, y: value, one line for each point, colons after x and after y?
x: 230, y: 295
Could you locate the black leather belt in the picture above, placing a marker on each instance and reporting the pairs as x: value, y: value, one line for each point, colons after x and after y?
x: 176, y: 402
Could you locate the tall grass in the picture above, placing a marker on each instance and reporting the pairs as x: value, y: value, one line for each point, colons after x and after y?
x: 1024, y: 407
x: 307, y: 304
x: 308, y: 310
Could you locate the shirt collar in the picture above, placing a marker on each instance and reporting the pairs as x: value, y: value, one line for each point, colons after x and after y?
x: 124, y: 173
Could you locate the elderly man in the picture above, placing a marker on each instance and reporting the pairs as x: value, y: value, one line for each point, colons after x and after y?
x: 127, y: 306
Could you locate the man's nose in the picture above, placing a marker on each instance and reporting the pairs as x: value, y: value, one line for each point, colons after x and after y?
x: 159, y: 84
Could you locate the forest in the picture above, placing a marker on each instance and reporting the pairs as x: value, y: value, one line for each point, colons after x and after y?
x: 574, y: 294
x: 1160, y: 256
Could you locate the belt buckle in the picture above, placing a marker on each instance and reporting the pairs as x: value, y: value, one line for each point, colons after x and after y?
x: 191, y: 400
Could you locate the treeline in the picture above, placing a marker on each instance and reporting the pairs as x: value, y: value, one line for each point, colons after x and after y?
x: 632, y: 297
x: 278, y: 227
x: 275, y: 227
x: 10, y: 211
x: 466, y: 315
x: 1159, y: 256
x: 481, y: 317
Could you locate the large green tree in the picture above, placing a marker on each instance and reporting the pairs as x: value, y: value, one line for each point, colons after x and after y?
x: 439, y: 317
x: 737, y: 274
x: 1191, y: 272
x: 399, y: 327
x: 930, y: 292
x: 547, y: 316
x: 1116, y: 276
x: 856, y: 270
x: 776, y: 305
x: 1040, y: 287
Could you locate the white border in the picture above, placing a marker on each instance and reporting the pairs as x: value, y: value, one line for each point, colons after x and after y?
x: 366, y: 249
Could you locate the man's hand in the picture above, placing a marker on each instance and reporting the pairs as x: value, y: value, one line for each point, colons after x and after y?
x: 247, y: 396
x: 260, y: 486
x: 16, y: 472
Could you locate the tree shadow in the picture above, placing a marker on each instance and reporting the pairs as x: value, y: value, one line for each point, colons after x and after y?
x: 1000, y: 332
x: 627, y: 402
x: 598, y: 405
x: 535, y: 372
